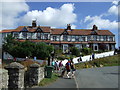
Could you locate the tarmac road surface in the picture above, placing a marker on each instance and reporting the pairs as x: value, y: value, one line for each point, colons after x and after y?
x: 104, y: 77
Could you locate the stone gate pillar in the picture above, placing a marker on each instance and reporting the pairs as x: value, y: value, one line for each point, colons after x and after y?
x: 34, y: 74
x: 16, y: 76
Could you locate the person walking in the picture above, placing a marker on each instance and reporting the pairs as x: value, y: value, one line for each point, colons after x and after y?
x: 80, y: 58
x: 60, y: 65
x: 57, y: 66
x: 93, y: 56
x: 53, y: 64
x: 73, y: 69
x: 68, y: 68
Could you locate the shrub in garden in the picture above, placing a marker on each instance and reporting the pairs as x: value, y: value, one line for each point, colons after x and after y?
x: 27, y: 48
x: 86, y: 51
x: 75, y: 51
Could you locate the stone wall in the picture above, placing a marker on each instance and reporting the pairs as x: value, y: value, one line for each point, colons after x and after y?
x: 41, y: 74
x: 3, y: 78
x: 15, y: 77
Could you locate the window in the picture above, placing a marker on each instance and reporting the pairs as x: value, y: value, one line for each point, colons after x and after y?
x: 24, y: 34
x: 54, y: 38
x: 77, y: 46
x: 73, y: 38
x: 69, y: 38
x: 111, y: 38
x: 91, y: 38
x: 95, y: 38
x: 77, y: 38
x: 46, y: 36
x: 98, y: 38
x: 65, y: 38
x: 28, y: 35
x: 88, y: 38
x: 38, y: 36
x: 65, y: 48
x: 101, y: 38
x: 16, y: 34
x: 33, y: 35
x: 83, y: 38
x: 80, y: 38
x: 104, y: 38
x: 96, y: 48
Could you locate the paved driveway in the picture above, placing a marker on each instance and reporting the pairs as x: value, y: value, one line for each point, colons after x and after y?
x: 104, y: 77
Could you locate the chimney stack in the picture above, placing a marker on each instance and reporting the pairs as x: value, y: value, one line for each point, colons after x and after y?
x: 94, y: 28
x: 68, y: 27
x: 34, y: 23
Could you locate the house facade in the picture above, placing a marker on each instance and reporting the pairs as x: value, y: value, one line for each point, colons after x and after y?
x: 64, y: 38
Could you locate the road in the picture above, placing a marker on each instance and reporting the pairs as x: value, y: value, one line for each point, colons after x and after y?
x: 104, y: 77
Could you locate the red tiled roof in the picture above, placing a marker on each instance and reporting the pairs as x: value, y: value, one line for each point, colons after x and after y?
x: 104, y: 32
x: 45, y: 29
x: 18, y: 29
x: 60, y: 31
x: 57, y: 31
x: 7, y: 30
x: 81, y: 32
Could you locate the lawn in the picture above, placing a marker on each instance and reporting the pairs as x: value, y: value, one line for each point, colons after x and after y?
x: 106, y: 61
x: 47, y: 81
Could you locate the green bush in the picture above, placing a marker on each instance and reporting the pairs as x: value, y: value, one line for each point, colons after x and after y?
x: 86, y: 51
x: 61, y: 57
x: 27, y: 48
x: 75, y: 51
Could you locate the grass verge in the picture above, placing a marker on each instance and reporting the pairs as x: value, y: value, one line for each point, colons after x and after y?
x: 106, y: 61
x: 47, y: 81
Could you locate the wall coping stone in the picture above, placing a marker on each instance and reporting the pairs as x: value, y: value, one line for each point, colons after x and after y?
x: 14, y: 65
x: 35, y: 65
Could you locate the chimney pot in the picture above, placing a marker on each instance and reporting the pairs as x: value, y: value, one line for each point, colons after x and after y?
x: 68, y: 27
x: 95, y: 27
x: 34, y: 23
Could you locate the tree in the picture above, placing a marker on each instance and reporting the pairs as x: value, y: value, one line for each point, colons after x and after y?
x: 75, y: 51
x: 86, y: 51
x: 8, y: 43
x: 27, y: 48
x: 58, y: 52
x: 42, y: 50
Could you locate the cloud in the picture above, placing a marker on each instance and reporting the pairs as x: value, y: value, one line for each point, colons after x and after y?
x: 10, y: 12
x: 101, y: 23
x: 73, y: 26
x: 51, y: 16
x: 114, y: 9
x: 100, y: 20
x: 115, y: 2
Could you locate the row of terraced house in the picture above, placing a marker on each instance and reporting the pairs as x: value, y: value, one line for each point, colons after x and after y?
x: 64, y: 38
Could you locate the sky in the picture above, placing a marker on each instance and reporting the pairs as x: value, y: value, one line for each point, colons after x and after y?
x: 81, y: 15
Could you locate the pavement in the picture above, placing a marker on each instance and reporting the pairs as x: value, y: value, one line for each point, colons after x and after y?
x: 62, y: 82
x: 104, y: 77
